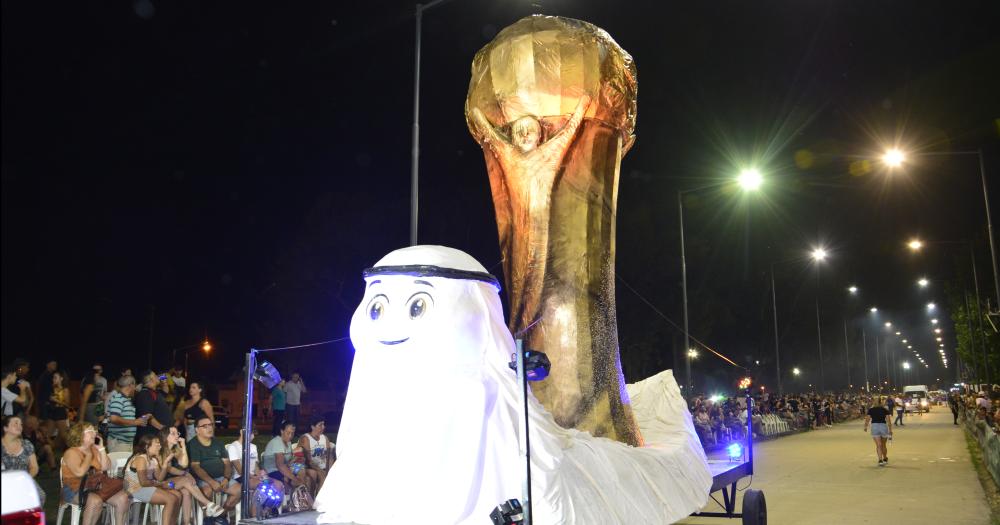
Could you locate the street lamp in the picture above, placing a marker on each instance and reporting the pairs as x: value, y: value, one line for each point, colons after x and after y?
x: 915, y: 244
x: 692, y: 353
x: 873, y: 310
x: 888, y: 324
x: 853, y: 289
x: 923, y: 282
x: 206, y: 347
x: 893, y: 158
x: 906, y: 365
x: 931, y: 306
x: 746, y: 180
x: 933, y: 321
x: 796, y: 371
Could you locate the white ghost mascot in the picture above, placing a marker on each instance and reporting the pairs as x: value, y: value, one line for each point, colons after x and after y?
x: 429, y: 433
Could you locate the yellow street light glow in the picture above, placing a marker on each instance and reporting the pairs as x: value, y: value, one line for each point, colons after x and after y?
x: 900, y: 333
x: 893, y: 158
x: 939, y: 339
x: 937, y: 330
x: 796, y: 371
x: 692, y: 353
x: 206, y: 346
x: 915, y: 244
x: 750, y: 179
x: 905, y: 341
x: 888, y: 324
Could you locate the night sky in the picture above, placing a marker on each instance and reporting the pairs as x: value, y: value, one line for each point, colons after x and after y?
x: 228, y: 169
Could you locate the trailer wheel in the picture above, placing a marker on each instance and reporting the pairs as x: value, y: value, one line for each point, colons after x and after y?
x: 754, y: 508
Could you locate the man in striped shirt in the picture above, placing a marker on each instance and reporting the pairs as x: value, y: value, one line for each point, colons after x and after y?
x: 121, y: 416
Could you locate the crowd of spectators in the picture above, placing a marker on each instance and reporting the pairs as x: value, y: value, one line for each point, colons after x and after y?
x: 163, y: 428
x: 978, y: 406
x: 719, y: 420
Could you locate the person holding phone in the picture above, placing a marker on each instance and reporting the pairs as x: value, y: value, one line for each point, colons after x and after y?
x: 86, y: 454
x: 879, y: 418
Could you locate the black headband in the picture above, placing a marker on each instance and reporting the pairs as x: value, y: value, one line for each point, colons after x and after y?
x: 424, y: 270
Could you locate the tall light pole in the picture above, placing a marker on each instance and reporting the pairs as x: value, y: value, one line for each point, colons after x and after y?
x: 749, y: 180
x: 818, y: 256
x: 864, y: 348
x: 415, y: 150
x: 777, y: 359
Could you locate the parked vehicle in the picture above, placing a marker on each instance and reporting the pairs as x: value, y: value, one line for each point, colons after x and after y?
x: 916, y: 398
x: 221, y: 416
x: 19, y: 501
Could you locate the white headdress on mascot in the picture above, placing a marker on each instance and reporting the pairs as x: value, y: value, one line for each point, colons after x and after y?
x: 429, y: 430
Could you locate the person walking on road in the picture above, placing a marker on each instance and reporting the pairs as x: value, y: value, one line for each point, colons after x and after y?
x: 878, y: 418
x: 900, y: 408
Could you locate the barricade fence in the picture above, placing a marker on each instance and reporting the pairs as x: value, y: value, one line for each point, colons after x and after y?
x: 989, y: 443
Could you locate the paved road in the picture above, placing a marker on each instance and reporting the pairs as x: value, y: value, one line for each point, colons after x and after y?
x: 831, y: 476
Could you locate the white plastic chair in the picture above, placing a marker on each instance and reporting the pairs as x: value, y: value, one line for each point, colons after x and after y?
x: 76, y: 511
x: 118, y: 460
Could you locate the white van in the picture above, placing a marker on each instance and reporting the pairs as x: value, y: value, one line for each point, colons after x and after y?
x: 916, y: 398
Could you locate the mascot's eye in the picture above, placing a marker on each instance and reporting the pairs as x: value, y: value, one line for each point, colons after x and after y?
x: 376, y: 308
x: 419, y: 305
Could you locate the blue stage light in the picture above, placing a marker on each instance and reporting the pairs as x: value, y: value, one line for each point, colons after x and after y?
x: 735, y: 450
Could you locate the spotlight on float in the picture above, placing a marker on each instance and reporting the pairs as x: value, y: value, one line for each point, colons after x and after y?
x: 735, y: 451
x: 267, y: 374
x: 267, y: 498
x: 508, y: 513
x: 745, y: 383
x: 536, y: 365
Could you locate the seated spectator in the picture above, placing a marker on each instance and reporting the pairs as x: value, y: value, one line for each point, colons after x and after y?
x: 277, y: 459
x: 235, y: 450
x: 19, y: 453
x: 145, y: 478
x: 174, y: 457
x: 12, y: 398
x: 318, y: 449
x: 86, y: 454
x: 42, y: 442
x: 211, y: 466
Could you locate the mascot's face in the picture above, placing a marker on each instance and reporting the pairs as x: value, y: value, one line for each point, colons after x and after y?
x: 421, y: 318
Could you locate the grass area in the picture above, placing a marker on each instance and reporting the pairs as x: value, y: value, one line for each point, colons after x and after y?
x: 989, y: 485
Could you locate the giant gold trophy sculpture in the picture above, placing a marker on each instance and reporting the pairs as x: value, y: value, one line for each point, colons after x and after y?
x: 552, y: 101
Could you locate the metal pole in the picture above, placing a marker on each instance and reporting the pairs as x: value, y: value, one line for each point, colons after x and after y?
x: 972, y: 337
x: 847, y: 354
x: 247, y: 430
x: 774, y: 306
x: 878, y: 365
x: 684, y: 295
x: 888, y: 370
x: 522, y: 380
x: 864, y: 348
x: 989, y: 225
x: 819, y: 337
x: 415, y: 150
x: 979, y: 314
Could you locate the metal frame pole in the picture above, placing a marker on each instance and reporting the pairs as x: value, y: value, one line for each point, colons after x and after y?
x: 819, y: 338
x: 847, y: 354
x: 979, y: 314
x: 247, y: 430
x: 522, y: 381
x: 684, y: 294
x: 415, y: 150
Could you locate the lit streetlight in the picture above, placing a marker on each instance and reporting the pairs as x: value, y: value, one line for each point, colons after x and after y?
x: 819, y: 254
x: 933, y: 321
x: 853, y: 289
x: 692, y: 353
x: 923, y: 282
x: 796, y: 371
x: 893, y: 158
x: 750, y: 179
x: 873, y: 310
x: 906, y: 365
x: 915, y: 245
x: 931, y: 306
x: 888, y: 324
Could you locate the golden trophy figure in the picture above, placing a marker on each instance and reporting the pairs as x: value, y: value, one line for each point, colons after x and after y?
x: 552, y: 101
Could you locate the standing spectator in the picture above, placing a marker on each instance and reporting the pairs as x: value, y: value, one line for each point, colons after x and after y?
x: 900, y: 408
x: 10, y: 395
x: 19, y: 453
x: 195, y: 407
x: 211, y: 466
x: 170, y: 389
x: 878, y: 418
x: 122, y: 422
x: 44, y: 384
x: 151, y: 402
x: 317, y: 449
x: 85, y: 452
x: 21, y: 370
x: 293, y: 398
x: 953, y: 403
x: 57, y: 405
x: 94, y: 390
x: 277, y: 407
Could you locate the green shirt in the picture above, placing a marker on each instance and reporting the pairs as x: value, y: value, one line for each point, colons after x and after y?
x: 209, y: 457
